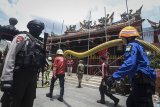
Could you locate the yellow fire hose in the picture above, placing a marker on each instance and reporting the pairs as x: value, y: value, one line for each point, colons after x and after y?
x: 109, y: 44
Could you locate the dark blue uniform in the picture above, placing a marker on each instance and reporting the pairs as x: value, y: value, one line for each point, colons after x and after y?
x: 142, y: 76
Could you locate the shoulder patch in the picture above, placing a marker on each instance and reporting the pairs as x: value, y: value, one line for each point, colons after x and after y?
x: 19, y: 39
x: 128, y: 48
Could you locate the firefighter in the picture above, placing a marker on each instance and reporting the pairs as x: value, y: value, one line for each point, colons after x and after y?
x: 24, y: 58
x: 103, y: 88
x: 48, y: 70
x: 59, y: 65
x: 80, y: 72
x: 136, y: 66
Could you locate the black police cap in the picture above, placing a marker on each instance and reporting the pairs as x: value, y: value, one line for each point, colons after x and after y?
x: 35, y: 24
x: 13, y: 21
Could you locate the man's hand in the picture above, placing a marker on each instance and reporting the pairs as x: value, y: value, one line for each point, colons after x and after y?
x: 6, y: 86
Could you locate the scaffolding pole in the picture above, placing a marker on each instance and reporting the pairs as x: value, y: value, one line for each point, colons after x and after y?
x: 60, y: 36
x: 127, y: 12
x: 105, y: 23
x: 51, y: 40
x: 88, y: 42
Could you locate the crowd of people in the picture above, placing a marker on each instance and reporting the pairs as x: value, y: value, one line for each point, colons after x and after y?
x: 26, y: 56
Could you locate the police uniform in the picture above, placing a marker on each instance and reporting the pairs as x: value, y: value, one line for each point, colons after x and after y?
x: 24, y: 58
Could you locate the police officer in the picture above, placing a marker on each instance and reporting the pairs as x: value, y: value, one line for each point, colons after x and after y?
x: 103, y: 88
x: 9, y: 31
x: 22, y: 62
x: 12, y: 22
x: 59, y: 66
x: 80, y: 72
x: 136, y: 66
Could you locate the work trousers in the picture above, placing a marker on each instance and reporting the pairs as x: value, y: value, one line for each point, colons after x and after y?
x: 69, y: 70
x: 24, y: 90
x: 103, y: 89
x: 141, y: 95
x: 61, y: 82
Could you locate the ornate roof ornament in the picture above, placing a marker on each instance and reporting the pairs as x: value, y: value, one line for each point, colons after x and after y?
x: 155, y: 25
x: 71, y: 28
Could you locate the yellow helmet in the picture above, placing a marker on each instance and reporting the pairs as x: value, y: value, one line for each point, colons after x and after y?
x: 128, y: 32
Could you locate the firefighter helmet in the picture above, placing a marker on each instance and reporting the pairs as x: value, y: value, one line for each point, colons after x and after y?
x: 59, y: 51
x: 50, y: 58
x: 128, y: 31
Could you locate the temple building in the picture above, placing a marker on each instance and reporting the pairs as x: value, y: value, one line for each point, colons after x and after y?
x: 155, y: 31
x: 92, y: 34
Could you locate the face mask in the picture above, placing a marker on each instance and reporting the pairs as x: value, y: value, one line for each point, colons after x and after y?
x: 36, y: 33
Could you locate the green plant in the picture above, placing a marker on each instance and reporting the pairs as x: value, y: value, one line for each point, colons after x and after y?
x: 155, y: 62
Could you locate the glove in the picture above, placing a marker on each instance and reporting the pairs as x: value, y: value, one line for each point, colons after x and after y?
x: 110, y: 81
x: 6, y: 86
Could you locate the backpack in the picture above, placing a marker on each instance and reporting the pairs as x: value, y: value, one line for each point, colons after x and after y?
x: 31, y: 55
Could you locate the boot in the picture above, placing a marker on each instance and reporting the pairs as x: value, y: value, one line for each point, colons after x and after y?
x: 101, y: 101
x: 116, y: 101
x: 49, y: 95
x: 79, y: 86
x: 60, y: 99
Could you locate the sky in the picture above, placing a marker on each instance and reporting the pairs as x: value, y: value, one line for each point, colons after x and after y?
x: 72, y: 12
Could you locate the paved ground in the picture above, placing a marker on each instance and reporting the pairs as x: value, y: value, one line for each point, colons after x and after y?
x: 74, y: 97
